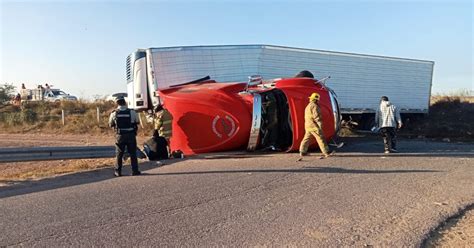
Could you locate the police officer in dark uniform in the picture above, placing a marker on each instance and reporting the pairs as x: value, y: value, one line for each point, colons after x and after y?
x: 125, y: 122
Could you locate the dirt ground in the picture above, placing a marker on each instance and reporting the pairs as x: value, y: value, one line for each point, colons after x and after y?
x: 458, y: 232
x: 48, y: 139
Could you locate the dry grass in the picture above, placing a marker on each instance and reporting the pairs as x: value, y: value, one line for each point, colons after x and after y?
x: 449, y: 117
x: 45, y: 117
x: 347, y: 131
x: 438, y: 98
x: 33, y: 170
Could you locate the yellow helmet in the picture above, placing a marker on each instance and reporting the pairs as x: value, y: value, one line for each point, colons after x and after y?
x: 314, y: 96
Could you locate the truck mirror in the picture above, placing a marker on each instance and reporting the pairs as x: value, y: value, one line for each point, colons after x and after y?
x: 255, y: 80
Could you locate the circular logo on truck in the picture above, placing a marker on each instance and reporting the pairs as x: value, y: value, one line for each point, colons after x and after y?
x: 223, y: 126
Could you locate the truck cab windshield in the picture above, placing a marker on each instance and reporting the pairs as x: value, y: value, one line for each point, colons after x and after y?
x: 276, y: 131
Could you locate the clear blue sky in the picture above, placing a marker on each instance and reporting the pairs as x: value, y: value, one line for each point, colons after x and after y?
x: 81, y: 46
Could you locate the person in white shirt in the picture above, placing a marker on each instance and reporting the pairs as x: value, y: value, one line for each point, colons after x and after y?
x: 388, y: 119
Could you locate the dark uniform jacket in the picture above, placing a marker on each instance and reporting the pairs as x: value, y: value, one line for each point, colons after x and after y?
x: 124, y: 120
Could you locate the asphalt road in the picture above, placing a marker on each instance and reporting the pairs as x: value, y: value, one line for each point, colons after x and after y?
x: 359, y: 198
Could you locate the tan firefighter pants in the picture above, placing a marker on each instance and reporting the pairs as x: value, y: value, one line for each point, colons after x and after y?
x: 319, y: 138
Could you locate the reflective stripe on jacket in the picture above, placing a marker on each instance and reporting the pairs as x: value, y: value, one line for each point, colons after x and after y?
x: 163, y: 123
x: 312, y: 117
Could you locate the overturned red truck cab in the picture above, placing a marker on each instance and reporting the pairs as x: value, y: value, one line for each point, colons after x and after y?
x: 210, y: 116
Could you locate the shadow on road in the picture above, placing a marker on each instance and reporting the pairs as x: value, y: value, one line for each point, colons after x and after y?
x: 68, y: 180
x: 401, y: 154
x: 302, y: 170
x: 373, y: 147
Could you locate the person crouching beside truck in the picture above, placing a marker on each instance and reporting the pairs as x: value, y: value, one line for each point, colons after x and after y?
x: 125, y: 122
x: 387, y: 118
x: 156, y: 148
x: 313, y: 126
x: 162, y: 122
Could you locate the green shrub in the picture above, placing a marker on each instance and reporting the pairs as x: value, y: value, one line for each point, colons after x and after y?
x: 26, y: 116
x: 9, y: 108
x: 11, y: 119
x: 6, y: 92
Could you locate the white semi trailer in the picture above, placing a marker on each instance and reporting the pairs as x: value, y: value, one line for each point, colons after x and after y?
x: 358, y: 79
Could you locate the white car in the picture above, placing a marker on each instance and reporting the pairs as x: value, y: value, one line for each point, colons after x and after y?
x: 55, y: 95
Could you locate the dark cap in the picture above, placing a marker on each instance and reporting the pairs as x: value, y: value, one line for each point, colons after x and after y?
x: 118, y: 98
x: 384, y: 98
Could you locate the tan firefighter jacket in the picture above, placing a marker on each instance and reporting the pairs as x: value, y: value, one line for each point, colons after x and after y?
x: 312, y: 118
x: 163, y: 123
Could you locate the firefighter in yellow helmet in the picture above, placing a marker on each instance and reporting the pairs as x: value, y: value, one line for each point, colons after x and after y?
x: 313, y: 125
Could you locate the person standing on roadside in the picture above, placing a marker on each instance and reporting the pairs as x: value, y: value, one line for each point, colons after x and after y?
x: 313, y: 126
x: 387, y: 119
x: 125, y: 122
